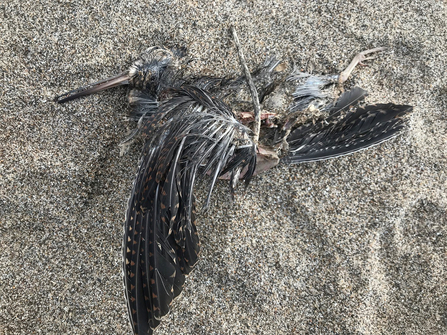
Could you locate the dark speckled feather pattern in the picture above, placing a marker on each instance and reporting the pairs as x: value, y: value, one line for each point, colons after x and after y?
x: 161, y: 244
x: 348, y: 129
x: 190, y: 134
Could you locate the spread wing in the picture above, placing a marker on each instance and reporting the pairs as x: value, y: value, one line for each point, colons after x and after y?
x: 191, y: 136
x: 349, y: 128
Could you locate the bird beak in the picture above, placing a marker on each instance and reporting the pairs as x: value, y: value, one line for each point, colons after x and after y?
x: 121, y: 79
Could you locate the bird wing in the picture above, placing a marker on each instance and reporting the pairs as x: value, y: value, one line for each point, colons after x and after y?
x: 349, y: 128
x: 192, y: 135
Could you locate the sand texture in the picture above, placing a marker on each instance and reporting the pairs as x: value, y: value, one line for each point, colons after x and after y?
x: 356, y: 245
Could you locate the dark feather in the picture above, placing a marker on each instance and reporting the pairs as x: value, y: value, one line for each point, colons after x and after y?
x: 194, y: 137
x: 359, y: 129
x: 189, y: 134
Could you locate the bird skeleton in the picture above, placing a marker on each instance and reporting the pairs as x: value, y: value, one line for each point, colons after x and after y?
x: 191, y: 132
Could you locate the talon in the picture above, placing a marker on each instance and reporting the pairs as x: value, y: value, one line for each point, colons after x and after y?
x: 358, y: 59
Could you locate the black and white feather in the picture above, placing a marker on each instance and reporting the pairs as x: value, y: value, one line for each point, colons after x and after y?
x: 349, y: 128
x: 196, y: 136
x: 190, y: 133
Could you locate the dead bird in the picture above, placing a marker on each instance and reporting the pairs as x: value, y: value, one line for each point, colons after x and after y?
x: 199, y: 128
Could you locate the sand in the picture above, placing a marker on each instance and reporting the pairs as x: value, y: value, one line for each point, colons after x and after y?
x: 356, y: 245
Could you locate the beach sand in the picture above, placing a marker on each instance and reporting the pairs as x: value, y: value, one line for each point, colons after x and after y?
x: 356, y: 245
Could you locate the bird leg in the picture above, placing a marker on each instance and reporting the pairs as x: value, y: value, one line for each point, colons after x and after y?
x: 251, y: 86
x: 358, y: 59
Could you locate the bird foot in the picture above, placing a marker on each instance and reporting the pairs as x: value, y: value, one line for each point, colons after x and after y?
x: 358, y: 60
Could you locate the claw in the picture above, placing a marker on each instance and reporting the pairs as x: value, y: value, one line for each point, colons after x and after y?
x: 358, y: 59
